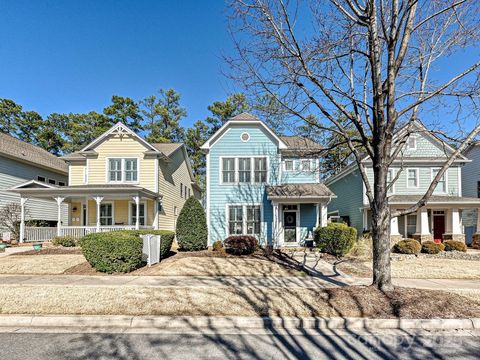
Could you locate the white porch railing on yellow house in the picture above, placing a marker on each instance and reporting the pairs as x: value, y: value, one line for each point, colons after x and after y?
x: 33, y: 234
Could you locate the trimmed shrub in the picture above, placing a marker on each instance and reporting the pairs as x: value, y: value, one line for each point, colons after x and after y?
x: 217, y: 246
x: 336, y: 239
x: 407, y: 246
x: 65, y: 241
x: 240, y: 244
x: 430, y: 247
x: 453, y: 245
x: 166, y: 240
x: 192, y: 231
x: 110, y: 252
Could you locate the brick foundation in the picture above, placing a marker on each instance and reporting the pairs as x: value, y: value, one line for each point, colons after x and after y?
x: 423, y: 238
x: 476, y: 241
x: 456, y: 237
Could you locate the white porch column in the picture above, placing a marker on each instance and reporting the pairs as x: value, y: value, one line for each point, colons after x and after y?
x: 456, y: 222
x: 478, y: 221
x: 275, y: 225
x: 137, y: 218
x: 448, y: 221
x: 155, y: 214
x: 394, y: 226
x: 423, y: 231
x: 59, y: 201
x: 322, y: 215
x: 98, y: 200
x: 23, y: 201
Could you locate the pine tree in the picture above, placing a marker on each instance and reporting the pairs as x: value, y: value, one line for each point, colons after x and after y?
x: 222, y: 111
x: 125, y: 110
x: 10, y: 113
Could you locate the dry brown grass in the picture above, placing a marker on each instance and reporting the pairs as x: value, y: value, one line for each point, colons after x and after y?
x: 354, y: 301
x: 38, y: 265
x: 468, y: 293
x: 217, y: 266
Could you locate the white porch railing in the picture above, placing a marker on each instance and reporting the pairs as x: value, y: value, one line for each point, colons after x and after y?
x: 33, y: 234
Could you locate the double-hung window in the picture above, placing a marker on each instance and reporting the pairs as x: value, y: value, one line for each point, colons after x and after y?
x: 288, y: 165
x: 390, y: 177
x: 412, y: 142
x: 228, y: 170
x: 244, y: 170
x: 235, y: 220
x: 122, y: 170
x: 131, y: 173
x: 411, y: 225
x: 253, y: 220
x: 442, y: 183
x: 106, y: 214
x: 244, y: 219
x: 133, y: 212
x: 305, y: 165
x: 412, y: 178
x: 260, y: 170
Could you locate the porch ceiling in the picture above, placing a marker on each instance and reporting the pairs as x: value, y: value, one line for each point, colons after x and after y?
x: 300, y: 192
x: 111, y: 190
x: 437, y: 201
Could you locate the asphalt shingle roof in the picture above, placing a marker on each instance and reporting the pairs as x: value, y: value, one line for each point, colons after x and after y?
x: 26, y: 152
x: 433, y: 199
x: 299, y: 191
x: 167, y: 148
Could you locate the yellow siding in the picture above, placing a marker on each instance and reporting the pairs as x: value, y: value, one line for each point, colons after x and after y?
x: 171, y: 175
x: 118, y: 147
x: 76, y: 216
x: 121, y: 214
x: 76, y: 173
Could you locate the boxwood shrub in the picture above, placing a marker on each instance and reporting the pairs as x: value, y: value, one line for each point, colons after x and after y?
x: 167, y: 238
x: 192, y: 232
x: 240, y: 244
x: 430, y: 247
x: 65, y: 241
x: 407, y: 246
x: 336, y: 238
x: 451, y: 245
x: 110, y: 252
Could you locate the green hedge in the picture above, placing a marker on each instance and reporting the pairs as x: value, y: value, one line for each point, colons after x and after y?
x: 65, y: 241
x: 167, y: 238
x: 335, y: 238
x: 192, y: 231
x: 407, y: 246
x: 110, y: 252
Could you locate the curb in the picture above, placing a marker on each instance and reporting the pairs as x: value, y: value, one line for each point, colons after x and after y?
x: 193, y: 322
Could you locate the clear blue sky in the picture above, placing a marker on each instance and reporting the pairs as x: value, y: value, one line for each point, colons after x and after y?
x: 72, y: 56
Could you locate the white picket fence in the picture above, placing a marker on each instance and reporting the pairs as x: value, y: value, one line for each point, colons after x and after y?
x: 151, y: 249
x: 34, y: 234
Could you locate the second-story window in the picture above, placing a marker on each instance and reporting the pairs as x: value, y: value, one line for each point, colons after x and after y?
x: 228, y: 170
x: 442, y: 183
x: 412, y: 178
x: 260, y: 170
x: 389, y: 181
x: 305, y: 165
x: 244, y: 170
x: 412, y: 142
x: 288, y: 165
x: 122, y: 170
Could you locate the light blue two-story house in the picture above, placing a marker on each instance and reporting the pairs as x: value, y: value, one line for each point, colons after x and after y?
x: 262, y: 184
x: 412, y: 172
x: 471, y: 187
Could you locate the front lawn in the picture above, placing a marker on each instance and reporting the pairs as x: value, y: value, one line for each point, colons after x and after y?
x: 350, y: 301
x: 45, y: 264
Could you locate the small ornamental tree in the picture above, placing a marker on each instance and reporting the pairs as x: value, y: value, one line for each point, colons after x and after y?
x: 192, y: 232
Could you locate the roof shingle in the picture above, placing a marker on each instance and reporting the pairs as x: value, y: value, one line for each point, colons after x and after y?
x: 315, y: 190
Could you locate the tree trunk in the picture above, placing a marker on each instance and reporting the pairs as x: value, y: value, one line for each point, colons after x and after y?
x: 382, y: 278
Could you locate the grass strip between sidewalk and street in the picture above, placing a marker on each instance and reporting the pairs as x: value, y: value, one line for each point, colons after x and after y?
x: 351, y: 301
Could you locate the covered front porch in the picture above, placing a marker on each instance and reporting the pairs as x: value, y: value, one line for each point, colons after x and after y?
x: 298, y: 209
x: 439, y: 220
x: 91, y: 208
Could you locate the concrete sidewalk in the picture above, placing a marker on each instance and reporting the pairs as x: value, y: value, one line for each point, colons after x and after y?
x: 230, y: 281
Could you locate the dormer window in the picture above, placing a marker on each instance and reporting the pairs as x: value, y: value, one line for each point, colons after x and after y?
x: 412, y: 142
x: 122, y: 170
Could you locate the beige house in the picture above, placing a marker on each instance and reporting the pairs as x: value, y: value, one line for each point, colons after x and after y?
x: 114, y: 178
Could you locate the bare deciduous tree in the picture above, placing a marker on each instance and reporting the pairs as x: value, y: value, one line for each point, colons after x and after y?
x: 374, y: 62
x: 10, y: 216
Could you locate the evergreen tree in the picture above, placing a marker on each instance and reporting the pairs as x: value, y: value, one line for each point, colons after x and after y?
x: 222, y: 111
x: 28, y: 126
x: 50, y: 134
x: 125, y: 110
x: 195, y: 138
x: 163, y: 115
x: 10, y: 113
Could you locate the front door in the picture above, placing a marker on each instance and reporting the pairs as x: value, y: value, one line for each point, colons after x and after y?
x: 438, y: 227
x: 290, y: 227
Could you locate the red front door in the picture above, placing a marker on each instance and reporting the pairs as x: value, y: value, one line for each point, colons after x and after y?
x: 438, y: 228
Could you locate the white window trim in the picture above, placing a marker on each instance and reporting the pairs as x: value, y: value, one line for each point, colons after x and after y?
x: 417, y: 170
x: 54, y: 182
x: 244, y: 218
x: 113, y: 211
x: 285, y: 165
x: 445, y: 176
x: 245, y: 133
x: 300, y: 169
x: 392, y: 188
x: 44, y: 179
x: 236, y: 176
x: 130, y: 203
x: 122, y: 158
x: 298, y: 228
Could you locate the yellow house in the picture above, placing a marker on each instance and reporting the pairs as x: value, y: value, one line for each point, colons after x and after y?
x: 116, y: 177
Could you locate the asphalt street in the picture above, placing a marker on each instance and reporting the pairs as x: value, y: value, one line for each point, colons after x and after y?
x: 237, y: 344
